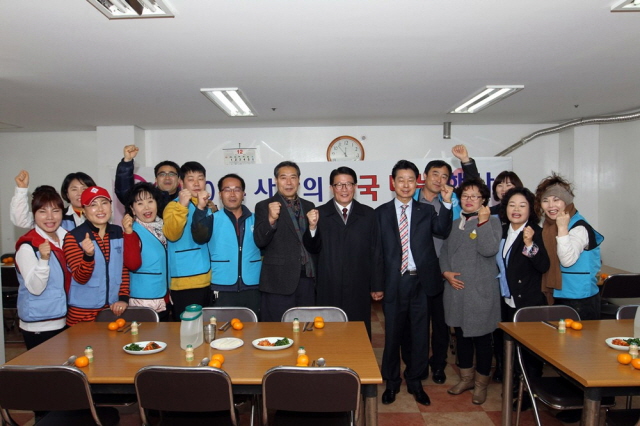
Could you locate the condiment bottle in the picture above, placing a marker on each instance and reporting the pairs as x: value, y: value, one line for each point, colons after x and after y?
x: 134, y: 328
x: 296, y: 325
x: 301, y: 351
x: 633, y: 350
x: 88, y: 352
x: 562, y: 326
x: 213, y: 321
x: 189, y: 353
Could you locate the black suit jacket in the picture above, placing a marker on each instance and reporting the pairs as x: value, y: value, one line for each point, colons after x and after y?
x: 280, y: 247
x: 425, y: 222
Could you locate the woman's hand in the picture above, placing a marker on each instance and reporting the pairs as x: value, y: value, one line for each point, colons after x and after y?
x: 483, y: 214
x: 451, y: 278
x: 22, y: 180
x: 377, y: 295
x: 87, y: 246
x: 527, y: 236
x: 119, y: 307
x: 45, y: 250
x: 127, y: 224
x: 562, y: 222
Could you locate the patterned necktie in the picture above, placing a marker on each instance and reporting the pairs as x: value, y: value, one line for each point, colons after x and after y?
x: 404, y: 240
x: 344, y: 214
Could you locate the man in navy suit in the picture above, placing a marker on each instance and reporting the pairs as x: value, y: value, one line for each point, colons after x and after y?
x: 411, y: 274
x: 287, y: 277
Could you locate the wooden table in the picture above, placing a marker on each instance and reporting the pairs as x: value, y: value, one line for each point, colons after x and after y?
x: 582, y: 356
x: 113, y: 370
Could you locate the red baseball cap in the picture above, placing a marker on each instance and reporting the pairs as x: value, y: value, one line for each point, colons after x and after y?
x: 93, y: 192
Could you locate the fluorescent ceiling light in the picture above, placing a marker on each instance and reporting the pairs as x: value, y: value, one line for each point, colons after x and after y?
x: 627, y: 6
x: 486, y: 97
x: 123, y: 9
x: 229, y: 100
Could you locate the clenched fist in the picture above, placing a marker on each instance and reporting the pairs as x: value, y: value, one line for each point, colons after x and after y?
x: 87, y: 246
x: 274, y: 212
x: 130, y: 152
x: 447, y: 193
x: 127, y: 224
x: 45, y: 250
x: 22, y: 180
x: 460, y: 151
x: 184, y: 197
x: 483, y: 214
x: 313, y: 217
x: 527, y: 236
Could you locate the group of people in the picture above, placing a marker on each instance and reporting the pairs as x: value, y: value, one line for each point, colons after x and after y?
x: 435, y: 257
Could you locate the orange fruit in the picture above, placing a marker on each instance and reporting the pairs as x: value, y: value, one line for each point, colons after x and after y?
x: 219, y: 357
x: 636, y: 363
x: 215, y: 363
x: 318, y: 324
x: 238, y: 325
x: 318, y: 319
x: 576, y: 325
x: 113, y: 326
x: 121, y: 322
x: 624, y: 358
x: 568, y: 322
x: 235, y: 320
x: 302, y: 360
x: 82, y: 361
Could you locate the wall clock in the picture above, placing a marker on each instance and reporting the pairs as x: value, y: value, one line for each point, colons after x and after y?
x: 345, y: 148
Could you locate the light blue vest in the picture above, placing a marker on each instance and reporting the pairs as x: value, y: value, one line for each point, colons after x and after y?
x: 186, y: 258
x: 150, y: 281
x: 51, y: 303
x: 103, y: 286
x: 225, y: 252
x: 579, y: 280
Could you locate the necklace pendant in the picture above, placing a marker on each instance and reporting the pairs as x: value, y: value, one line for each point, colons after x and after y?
x: 473, y: 235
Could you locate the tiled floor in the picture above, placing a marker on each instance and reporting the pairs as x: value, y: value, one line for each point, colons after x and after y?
x: 445, y: 409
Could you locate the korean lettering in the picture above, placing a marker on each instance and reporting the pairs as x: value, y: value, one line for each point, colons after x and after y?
x: 268, y: 190
x: 370, y: 188
x: 310, y: 184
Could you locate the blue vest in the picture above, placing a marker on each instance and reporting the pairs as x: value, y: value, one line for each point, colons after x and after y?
x: 186, y: 258
x: 48, y: 305
x: 150, y: 281
x: 455, y: 204
x: 225, y: 252
x: 579, y: 280
x: 103, y: 286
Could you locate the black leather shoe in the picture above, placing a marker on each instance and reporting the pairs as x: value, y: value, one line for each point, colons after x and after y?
x: 439, y: 377
x: 389, y: 396
x: 421, y: 396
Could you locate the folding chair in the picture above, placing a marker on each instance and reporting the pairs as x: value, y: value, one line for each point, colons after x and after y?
x: 308, y: 313
x: 626, y: 312
x: 618, y: 290
x: 227, y: 313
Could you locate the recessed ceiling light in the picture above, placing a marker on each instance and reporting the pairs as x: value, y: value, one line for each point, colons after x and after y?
x: 123, y: 9
x: 484, y: 98
x: 229, y: 100
x: 627, y: 6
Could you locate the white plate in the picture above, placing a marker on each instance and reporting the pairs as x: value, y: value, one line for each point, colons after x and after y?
x: 272, y: 340
x: 617, y: 347
x: 227, y: 343
x: 162, y: 345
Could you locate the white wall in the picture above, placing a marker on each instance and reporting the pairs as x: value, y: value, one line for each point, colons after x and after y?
x: 608, y: 151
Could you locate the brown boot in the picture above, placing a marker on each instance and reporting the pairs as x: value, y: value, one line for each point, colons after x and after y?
x: 480, y: 389
x: 465, y: 383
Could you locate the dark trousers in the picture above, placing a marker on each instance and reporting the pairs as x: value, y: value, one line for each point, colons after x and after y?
x: 33, y: 339
x: 183, y: 298
x: 247, y: 298
x: 588, y: 308
x: 406, y: 328
x: 439, y: 332
x: 478, y: 345
x: 273, y: 306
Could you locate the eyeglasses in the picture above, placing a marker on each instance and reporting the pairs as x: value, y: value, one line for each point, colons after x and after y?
x: 229, y: 190
x: 347, y: 185
x: 165, y: 174
x: 471, y: 197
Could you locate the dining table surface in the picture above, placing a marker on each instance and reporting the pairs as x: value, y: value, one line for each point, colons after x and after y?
x: 582, y: 356
x: 344, y: 344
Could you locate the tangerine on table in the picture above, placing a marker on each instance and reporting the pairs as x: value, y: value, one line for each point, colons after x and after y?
x: 238, y: 325
x: 113, y: 326
x: 215, y: 363
x: 303, y: 359
x: 318, y: 324
x: 576, y: 325
x: 235, y: 320
x: 568, y: 322
x: 636, y: 363
x: 624, y: 358
x: 121, y: 322
x: 219, y: 357
x: 82, y: 361
x: 318, y: 319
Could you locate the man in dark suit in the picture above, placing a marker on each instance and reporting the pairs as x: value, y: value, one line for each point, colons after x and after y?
x: 288, y: 270
x: 345, y: 234
x: 411, y: 274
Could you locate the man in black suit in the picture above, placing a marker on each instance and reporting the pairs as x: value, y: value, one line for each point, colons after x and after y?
x: 345, y: 234
x: 411, y: 274
x: 288, y: 270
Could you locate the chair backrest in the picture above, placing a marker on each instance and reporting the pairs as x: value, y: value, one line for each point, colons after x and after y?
x: 308, y: 313
x: 185, y: 389
x: 132, y: 313
x: 44, y: 388
x: 545, y: 313
x: 627, y: 312
x: 224, y: 314
x: 335, y: 389
x: 621, y: 286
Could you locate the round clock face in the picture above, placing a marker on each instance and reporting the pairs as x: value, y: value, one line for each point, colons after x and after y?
x: 345, y: 148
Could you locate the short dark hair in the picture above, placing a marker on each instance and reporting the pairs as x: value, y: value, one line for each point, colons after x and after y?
x: 478, y: 183
x: 343, y: 170
x: 285, y: 164
x: 82, y: 177
x: 438, y: 164
x: 402, y: 165
x: 192, y: 167
x: 45, y: 195
x: 165, y: 163
x: 137, y: 190
x: 230, y: 175
x: 502, y: 176
x: 531, y: 199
